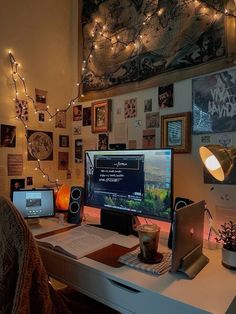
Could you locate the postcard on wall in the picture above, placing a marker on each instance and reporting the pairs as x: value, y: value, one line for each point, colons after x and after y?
x: 225, y: 140
x: 16, y: 185
x: 148, y: 105
x: 214, y: 101
x: 152, y: 120
x: 41, y: 117
x: 86, y: 116
x: 15, y: 164
x: 60, y: 119
x: 63, y: 160
x: 103, y: 141
x: 149, y: 138
x: 165, y: 96
x: 78, y: 151
x: 41, y: 100
x: 77, y: 113
x: 41, y: 145
x: 7, y: 135
x: 138, y: 123
x: 205, y: 139
x: 29, y: 180
x: 77, y: 130
x: 130, y: 108
x: 132, y: 144
x: 22, y: 111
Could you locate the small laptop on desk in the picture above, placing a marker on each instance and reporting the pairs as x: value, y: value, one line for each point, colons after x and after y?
x: 34, y: 204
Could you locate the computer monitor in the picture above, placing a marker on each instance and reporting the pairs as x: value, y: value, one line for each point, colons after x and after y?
x: 135, y: 182
x: 187, y: 243
x: 36, y: 203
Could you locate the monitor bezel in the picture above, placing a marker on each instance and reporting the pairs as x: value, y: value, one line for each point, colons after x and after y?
x: 37, y: 190
x: 122, y: 211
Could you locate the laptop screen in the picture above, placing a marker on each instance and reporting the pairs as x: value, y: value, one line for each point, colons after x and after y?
x: 34, y: 203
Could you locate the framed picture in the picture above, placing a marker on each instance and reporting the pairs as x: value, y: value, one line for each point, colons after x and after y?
x: 63, y: 140
x: 101, y: 116
x: 176, y: 132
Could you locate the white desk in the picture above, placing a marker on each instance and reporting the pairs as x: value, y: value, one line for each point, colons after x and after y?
x: 132, y: 291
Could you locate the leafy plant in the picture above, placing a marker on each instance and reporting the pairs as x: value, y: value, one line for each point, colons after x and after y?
x: 227, y: 235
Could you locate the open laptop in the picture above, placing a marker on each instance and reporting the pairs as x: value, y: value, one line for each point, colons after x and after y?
x: 188, y: 229
x: 35, y: 203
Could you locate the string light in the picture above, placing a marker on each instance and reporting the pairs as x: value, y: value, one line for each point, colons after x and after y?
x: 17, y: 79
x: 100, y: 30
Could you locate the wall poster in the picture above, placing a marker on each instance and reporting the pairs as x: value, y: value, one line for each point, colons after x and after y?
x: 131, y: 41
x: 41, y: 145
x: 214, y: 103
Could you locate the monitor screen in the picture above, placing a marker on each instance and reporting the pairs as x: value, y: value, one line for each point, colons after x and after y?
x: 34, y: 203
x: 137, y: 182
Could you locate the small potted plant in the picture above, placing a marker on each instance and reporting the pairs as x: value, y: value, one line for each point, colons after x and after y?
x: 227, y: 236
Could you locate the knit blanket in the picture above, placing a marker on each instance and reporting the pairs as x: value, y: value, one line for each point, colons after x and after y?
x: 24, y: 286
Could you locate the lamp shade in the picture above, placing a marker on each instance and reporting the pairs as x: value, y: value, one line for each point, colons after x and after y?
x: 218, y: 160
x: 63, y: 197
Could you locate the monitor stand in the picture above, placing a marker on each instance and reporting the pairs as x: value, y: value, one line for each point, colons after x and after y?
x: 193, y: 262
x: 120, y: 222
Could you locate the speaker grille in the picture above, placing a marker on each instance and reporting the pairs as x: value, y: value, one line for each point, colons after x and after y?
x: 75, y: 193
x: 74, y: 207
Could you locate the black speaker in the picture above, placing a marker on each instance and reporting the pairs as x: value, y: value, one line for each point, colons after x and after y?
x: 179, y: 202
x: 76, y: 205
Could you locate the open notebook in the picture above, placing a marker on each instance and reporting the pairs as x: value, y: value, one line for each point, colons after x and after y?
x: 79, y: 241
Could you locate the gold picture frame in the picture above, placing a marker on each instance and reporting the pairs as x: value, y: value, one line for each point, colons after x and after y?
x: 101, y: 116
x: 176, y: 132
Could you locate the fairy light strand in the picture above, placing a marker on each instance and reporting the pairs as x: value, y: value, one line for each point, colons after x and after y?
x: 17, y: 77
x: 100, y: 30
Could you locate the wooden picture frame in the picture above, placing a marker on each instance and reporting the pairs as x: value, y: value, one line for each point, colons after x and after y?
x: 101, y: 116
x: 176, y: 132
x: 64, y: 140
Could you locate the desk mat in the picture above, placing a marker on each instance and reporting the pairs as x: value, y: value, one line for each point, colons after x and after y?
x: 131, y: 259
x: 109, y: 255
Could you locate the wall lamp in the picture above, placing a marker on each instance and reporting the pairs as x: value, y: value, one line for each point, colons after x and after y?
x: 218, y: 160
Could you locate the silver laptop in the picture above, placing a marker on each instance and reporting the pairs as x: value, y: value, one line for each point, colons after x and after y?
x: 188, y: 229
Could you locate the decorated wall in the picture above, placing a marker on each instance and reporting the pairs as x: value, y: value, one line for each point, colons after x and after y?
x: 137, y: 120
x: 47, y: 50
x: 44, y: 50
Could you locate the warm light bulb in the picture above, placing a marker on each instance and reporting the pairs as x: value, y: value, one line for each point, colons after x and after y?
x: 36, y: 169
x: 58, y: 109
x: 212, y: 163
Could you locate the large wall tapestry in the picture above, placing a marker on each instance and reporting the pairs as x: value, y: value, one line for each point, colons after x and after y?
x: 135, y: 40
